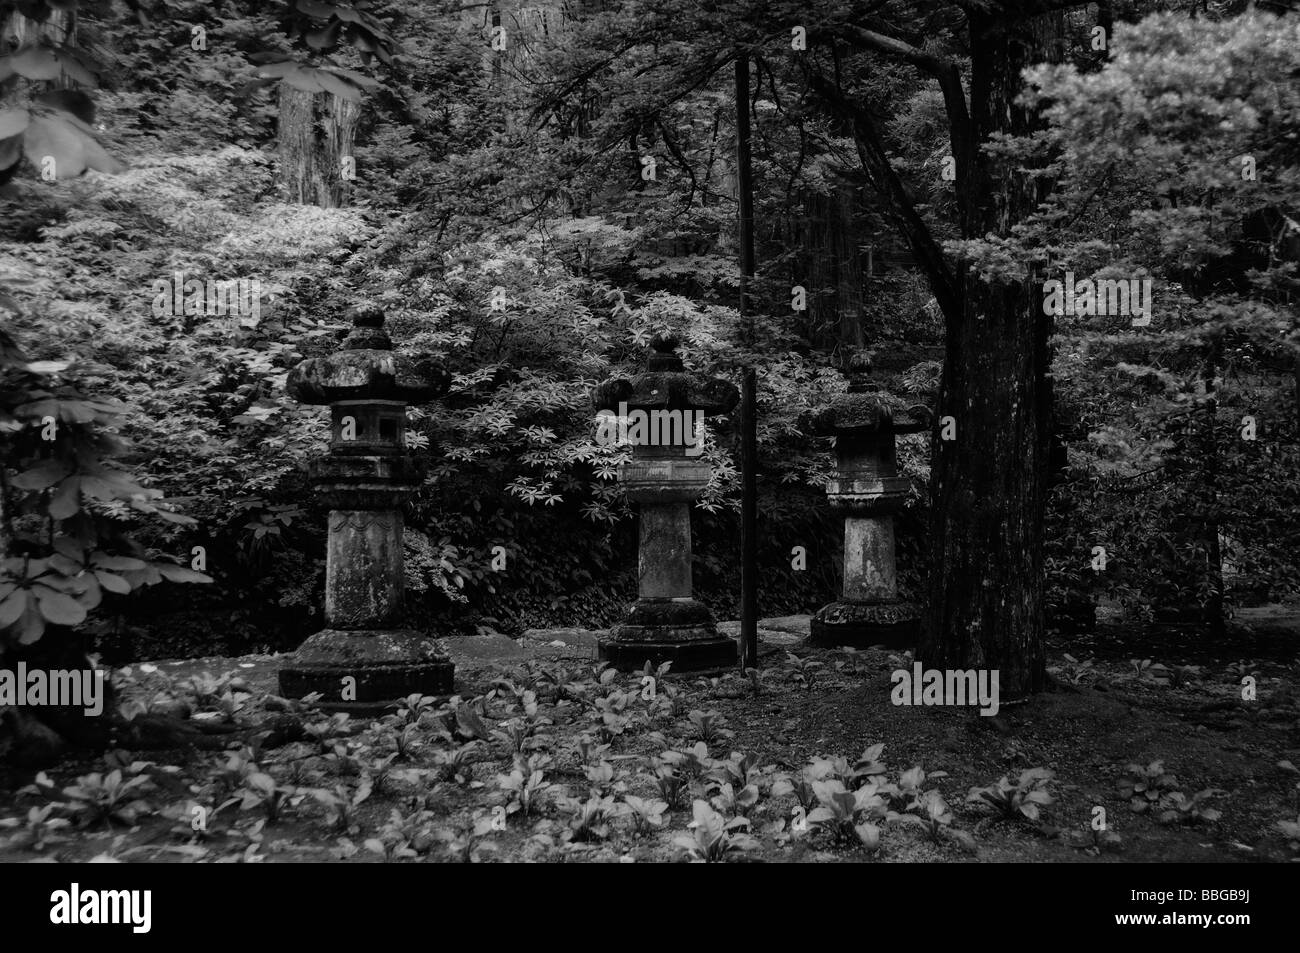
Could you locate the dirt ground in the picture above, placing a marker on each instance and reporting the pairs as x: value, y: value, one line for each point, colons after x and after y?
x: 1110, y: 710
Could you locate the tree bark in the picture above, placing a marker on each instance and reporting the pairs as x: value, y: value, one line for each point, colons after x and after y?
x: 1213, y: 614
x: 989, y: 485
x: 830, y: 261
x: 317, y: 131
x: 59, y: 29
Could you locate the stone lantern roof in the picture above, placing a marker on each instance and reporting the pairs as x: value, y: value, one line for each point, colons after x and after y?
x: 365, y: 368
x: 864, y: 409
x: 666, y: 385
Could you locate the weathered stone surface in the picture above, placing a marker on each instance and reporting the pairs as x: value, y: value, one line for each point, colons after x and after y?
x: 664, y: 554
x: 892, y: 624
x: 364, y: 660
x: 370, y: 426
x: 364, y: 579
x: 495, y: 646
x: 365, y: 368
x: 666, y: 385
x: 680, y: 612
x: 867, y: 488
x: 386, y: 664
x: 364, y: 482
x: 863, y: 410
x: 771, y: 639
x: 664, y: 479
x: 665, y: 623
x: 342, y: 648
x: 792, y: 625
x: 869, y: 571
x: 627, y: 654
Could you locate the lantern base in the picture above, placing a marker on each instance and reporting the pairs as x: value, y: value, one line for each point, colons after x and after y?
x: 385, y: 665
x: 680, y: 631
x: 696, y: 655
x: 894, y: 625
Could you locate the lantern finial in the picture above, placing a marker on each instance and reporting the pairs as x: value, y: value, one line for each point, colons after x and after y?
x: 367, y: 330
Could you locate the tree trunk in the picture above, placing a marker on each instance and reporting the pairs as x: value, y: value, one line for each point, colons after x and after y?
x: 317, y: 133
x: 830, y: 267
x: 1297, y: 397
x: 989, y: 484
x: 1209, y: 522
x: 59, y: 29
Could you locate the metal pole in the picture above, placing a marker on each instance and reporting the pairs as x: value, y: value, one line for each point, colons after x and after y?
x: 748, y: 524
x: 745, y: 186
x: 748, y: 430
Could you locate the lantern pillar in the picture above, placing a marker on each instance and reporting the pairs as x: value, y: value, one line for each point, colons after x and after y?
x: 365, y: 659
x: 867, y: 489
x: 665, y: 407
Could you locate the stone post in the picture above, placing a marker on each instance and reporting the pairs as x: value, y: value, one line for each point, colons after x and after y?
x: 662, y: 407
x: 363, y: 659
x: 867, y: 488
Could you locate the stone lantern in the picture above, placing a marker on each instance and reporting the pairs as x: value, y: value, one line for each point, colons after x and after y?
x: 867, y: 488
x: 662, y: 407
x: 363, y: 659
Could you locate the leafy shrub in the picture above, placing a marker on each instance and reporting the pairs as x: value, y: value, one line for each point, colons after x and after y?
x: 714, y: 839
x: 1015, y: 800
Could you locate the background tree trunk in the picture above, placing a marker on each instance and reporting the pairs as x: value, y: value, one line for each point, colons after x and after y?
x: 317, y: 130
x: 58, y: 30
x: 830, y: 266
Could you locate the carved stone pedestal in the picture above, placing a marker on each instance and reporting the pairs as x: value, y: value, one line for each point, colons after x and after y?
x: 666, y: 623
x: 868, y: 489
x: 365, y: 660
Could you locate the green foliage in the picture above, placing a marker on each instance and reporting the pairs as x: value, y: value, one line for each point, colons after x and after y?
x: 848, y: 816
x: 933, y: 816
x: 708, y: 727
x: 713, y: 838
x: 592, y: 818
x: 341, y: 803
x: 1151, y: 789
x: 525, y: 787
x: 1021, y: 799
x: 1094, y: 842
x: 647, y: 813
x: 1169, y: 163
x: 469, y: 844
x: 1177, y: 808
x: 36, y: 831
x: 1145, y: 787
x: 109, y: 797
x: 1290, y: 830
x: 256, y: 788
x: 68, y: 508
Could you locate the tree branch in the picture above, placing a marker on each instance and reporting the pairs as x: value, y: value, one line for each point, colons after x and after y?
x: 681, y: 159
x: 1032, y: 8
x: 942, y: 69
x: 875, y: 160
x: 930, y: 62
